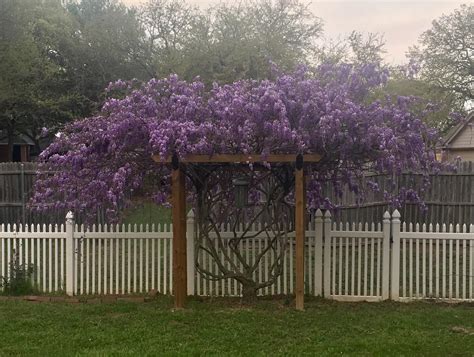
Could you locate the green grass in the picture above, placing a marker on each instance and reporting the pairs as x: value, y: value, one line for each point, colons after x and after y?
x: 148, y: 213
x: 223, y: 327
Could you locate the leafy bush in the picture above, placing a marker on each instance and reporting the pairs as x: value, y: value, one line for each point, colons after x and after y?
x: 19, y: 279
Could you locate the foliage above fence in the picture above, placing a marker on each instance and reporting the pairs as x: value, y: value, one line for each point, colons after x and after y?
x: 326, y: 111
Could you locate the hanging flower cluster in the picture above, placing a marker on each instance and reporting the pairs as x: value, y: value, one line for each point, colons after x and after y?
x: 100, y: 161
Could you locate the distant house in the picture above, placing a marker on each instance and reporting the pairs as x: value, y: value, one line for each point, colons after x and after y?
x: 459, y: 142
x: 21, y: 148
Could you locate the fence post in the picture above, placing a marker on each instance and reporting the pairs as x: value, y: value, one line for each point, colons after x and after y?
x: 318, y: 253
x: 395, y: 288
x: 70, y: 256
x: 191, y: 265
x: 327, y: 254
x: 386, y: 256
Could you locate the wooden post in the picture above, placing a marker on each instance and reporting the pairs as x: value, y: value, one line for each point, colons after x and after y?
x: 70, y: 256
x: 395, y: 269
x: 327, y: 255
x: 179, y: 233
x: 300, y: 227
x: 386, y: 257
x: 191, y: 269
x: 318, y: 254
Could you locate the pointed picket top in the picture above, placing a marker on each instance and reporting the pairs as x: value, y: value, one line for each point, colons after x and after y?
x: 386, y: 215
x: 327, y: 217
x: 191, y: 214
x: 318, y: 215
x: 396, y: 214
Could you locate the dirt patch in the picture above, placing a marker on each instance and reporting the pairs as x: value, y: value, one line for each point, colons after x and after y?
x: 463, y: 330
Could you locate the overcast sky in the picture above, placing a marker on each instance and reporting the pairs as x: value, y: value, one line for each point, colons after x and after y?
x: 401, y: 21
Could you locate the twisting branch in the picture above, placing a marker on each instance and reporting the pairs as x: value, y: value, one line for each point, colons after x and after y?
x: 269, y: 195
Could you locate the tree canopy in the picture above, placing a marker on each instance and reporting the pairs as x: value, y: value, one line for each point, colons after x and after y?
x: 446, y: 54
x: 99, y: 161
x: 56, y: 58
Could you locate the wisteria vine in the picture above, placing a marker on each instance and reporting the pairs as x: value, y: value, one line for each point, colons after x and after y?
x: 102, y: 161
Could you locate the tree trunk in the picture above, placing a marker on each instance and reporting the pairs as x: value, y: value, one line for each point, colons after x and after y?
x: 249, y: 293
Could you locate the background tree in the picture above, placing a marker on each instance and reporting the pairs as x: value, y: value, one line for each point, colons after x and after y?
x: 228, y: 42
x: 106, y: 45
x: 168, y: 25
x: 357, y: 48
x: 446, y: 54
x: 34, y: 90
x: 444, y: 106
x: 404, y: 80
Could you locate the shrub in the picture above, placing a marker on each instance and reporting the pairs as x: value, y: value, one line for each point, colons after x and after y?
x: 19, y: 280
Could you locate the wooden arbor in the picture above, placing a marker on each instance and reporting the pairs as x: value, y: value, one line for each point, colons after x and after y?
x: 178, y: 199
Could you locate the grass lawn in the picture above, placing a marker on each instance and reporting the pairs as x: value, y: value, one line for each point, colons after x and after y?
x: 148, y: 213
x: 223, y: 327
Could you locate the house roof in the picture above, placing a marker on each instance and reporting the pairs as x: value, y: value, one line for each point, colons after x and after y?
x: 17, y: 139
x: 454, y: 131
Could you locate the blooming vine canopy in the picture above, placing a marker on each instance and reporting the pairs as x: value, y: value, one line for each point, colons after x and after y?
x: 98, y: 162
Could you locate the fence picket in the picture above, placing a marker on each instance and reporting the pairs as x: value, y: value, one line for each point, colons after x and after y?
x: 450, y: 266
x: 437, y: 264
x: 471, y: 263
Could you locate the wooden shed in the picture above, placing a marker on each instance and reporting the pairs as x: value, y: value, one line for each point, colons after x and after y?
x: 21, y: 148
x: 459, y: 142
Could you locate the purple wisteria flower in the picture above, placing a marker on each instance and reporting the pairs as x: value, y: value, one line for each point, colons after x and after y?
x: 99, y: 162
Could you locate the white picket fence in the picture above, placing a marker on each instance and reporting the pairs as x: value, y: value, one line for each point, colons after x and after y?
x: 350, y: 262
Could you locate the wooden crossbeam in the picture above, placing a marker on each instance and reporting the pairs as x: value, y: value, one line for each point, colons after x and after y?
x: 239, y: 158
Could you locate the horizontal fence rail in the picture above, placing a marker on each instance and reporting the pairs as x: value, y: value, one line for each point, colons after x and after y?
x: 347, y: 262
